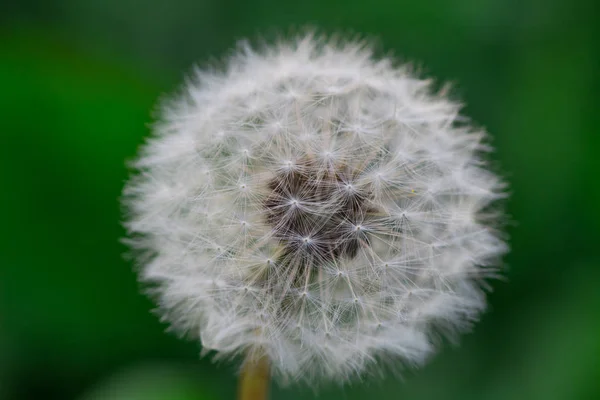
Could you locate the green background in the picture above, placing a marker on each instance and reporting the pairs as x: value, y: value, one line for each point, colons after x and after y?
x: 78, y: 81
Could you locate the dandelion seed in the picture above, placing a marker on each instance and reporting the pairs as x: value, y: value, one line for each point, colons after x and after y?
x: 361, y: 208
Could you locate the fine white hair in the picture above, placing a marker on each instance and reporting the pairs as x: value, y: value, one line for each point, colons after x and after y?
x: 317, y: 205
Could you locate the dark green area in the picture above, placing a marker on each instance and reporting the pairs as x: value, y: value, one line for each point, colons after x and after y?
x: 78, y: 81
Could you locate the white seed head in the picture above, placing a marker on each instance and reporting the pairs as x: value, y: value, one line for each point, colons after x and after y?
x: 319, y: 205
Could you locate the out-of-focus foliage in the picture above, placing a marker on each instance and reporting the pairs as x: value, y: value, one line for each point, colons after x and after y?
x: 78, y: 80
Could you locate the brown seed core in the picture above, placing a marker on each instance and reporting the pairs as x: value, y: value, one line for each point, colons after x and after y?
x: 318, y: 215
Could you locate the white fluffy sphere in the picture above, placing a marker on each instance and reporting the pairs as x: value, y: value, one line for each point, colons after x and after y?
x: 316, y: 204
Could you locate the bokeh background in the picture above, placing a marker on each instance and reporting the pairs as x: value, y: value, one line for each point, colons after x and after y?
x: 78, y: 81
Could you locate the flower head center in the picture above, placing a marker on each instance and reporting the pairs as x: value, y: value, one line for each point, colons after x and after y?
x: 331, y: 207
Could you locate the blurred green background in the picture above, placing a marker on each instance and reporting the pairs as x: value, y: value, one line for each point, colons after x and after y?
x: 78, y: 81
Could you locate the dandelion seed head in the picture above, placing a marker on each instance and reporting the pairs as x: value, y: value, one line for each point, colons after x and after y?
x: 319, y: 204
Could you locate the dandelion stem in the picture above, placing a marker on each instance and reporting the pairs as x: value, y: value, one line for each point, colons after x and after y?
x: 254, y: 379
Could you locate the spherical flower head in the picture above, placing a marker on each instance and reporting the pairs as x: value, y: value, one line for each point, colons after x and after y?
x: 316, y: 206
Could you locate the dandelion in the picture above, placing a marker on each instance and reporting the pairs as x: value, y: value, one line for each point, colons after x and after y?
x: 315, y: 210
